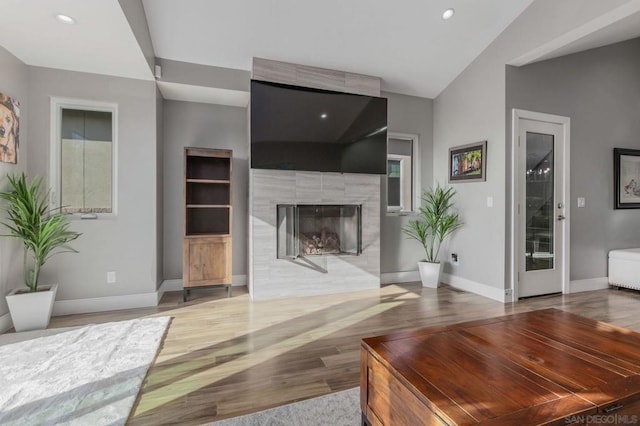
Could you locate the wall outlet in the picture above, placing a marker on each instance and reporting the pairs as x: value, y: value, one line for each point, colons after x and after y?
x: 111, y: 277
x: 455, y: 259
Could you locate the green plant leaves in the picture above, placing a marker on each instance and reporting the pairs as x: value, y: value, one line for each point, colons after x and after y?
x: 43, y: 232
x: 436, y: 221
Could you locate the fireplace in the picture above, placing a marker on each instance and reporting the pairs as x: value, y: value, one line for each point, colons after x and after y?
x: 318, y: 229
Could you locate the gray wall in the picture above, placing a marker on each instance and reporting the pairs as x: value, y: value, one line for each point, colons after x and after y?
x: 472, y: 108
x: 126, y: 243
x: 206, y: 126
x: 204, y: 75
x: 159, y: 188
x: 13, y: 83
x: 600, y: 91
x: 407, y: 114
x: 216, y: 126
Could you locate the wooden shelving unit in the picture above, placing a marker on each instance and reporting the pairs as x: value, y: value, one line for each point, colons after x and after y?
x: 206, y: 258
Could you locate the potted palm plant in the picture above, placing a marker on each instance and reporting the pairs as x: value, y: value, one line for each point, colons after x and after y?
x: 435, y: 224
x: 43, y: 233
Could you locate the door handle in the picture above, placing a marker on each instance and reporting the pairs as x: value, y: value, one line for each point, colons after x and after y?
x: 561, y: 217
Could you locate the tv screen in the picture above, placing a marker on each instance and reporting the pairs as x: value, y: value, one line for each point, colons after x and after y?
x: 298, y: 128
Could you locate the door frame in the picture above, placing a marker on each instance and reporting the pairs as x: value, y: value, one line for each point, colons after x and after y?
x: 565, y: 122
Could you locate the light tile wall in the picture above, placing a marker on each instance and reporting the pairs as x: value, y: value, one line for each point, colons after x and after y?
x: 271, y: 278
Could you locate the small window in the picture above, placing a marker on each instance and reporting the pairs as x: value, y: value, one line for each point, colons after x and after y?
x: 84, y: 150
x: 402, y: 173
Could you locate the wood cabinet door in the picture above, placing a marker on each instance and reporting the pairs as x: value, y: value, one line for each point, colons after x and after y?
x: 209, y: 261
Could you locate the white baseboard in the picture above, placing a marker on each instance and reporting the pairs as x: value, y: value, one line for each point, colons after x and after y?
x: 399, y: 277
x: 5, y: 323
x: 114, y: 303
x: 494, y: 293
x: 169, y: 285
x: 101, y: 304
x: 577, y: 286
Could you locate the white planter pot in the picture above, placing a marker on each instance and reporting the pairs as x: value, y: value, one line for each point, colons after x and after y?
x: 32, y: 311
x: 430, y: 273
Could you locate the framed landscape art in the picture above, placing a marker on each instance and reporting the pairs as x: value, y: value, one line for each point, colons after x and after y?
x: 626, y: 172
x: 467, y: 163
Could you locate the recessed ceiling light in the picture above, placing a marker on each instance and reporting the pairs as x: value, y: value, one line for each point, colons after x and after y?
x: 324, y: 115
x: 448, y: 14
x: 65, y: 19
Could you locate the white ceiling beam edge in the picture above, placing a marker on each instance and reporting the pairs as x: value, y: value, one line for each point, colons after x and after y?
x: 201, y: 94
x: 545, y: 51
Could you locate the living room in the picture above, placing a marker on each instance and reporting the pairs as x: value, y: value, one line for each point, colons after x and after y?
x: 173, y: 87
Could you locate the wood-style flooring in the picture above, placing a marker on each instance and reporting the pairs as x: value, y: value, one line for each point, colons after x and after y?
x: 224, y: 357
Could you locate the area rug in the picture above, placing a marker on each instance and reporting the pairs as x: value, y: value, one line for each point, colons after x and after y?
x: 336, y: 409
x: 87, y: 376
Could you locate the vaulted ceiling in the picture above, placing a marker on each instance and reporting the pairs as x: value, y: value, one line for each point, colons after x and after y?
x: 406, y: 43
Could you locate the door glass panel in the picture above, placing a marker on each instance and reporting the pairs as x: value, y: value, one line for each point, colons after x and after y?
x: 539, y: 202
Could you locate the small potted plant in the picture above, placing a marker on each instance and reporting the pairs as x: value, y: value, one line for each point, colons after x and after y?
x: 435, y: 224
x: 43, y: 233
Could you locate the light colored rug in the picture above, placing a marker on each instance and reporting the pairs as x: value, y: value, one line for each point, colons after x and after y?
x: 86, y: 376
x: 335, y: 409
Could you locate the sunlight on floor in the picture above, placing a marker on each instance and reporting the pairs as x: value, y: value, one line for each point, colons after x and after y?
x: 185, y: 386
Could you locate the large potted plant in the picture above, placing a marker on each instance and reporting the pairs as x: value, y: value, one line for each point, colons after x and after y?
x: 43, y: 233
x: 435, y: 224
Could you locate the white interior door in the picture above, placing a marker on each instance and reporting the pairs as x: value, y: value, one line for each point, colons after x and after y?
x: 541, y: 208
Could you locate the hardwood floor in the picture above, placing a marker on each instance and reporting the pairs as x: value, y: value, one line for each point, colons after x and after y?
x: 225, y: 357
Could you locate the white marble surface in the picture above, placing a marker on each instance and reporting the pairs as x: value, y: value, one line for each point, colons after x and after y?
x: 336, y: 409
x: 84, y: 376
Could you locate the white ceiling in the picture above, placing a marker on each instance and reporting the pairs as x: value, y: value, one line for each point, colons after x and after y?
x: 100, y: 42
x: 624, y: 29
x: 406, y: 43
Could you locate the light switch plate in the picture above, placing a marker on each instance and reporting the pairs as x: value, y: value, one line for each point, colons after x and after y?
x: 581, y: 202
x: 489, y: 201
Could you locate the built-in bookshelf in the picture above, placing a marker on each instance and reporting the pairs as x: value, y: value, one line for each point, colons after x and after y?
x: 207, y: 218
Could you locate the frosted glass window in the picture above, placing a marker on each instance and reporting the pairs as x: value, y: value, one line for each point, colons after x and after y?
x: 86, y: 161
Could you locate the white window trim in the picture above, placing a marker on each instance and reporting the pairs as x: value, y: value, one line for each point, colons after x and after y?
x: 417, y: 187
x: 57, y: 104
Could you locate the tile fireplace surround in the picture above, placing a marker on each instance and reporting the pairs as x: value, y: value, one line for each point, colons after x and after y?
x: 272, y: 278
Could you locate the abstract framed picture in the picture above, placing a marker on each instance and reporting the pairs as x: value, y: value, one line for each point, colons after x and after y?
x: 9, y: 127
x: 626, y: 172
x: 467, y: 163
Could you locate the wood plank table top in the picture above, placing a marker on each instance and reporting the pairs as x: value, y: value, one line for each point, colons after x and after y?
x: 540, y: 367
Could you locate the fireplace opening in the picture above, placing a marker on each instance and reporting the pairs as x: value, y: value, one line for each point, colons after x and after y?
x: 319, y: 229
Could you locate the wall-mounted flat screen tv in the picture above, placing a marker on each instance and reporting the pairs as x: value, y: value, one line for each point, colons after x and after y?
x: 299, y: 128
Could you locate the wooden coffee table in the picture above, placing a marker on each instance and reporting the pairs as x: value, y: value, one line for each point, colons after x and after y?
x: 542, y: 367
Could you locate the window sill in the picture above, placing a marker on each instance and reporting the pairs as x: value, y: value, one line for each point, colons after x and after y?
x: 91, y: 216
x: 402, y: 213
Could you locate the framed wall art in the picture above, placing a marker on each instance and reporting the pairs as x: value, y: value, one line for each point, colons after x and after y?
x: 626, y: 176
x: 467, y: 163
x: 9, y: 127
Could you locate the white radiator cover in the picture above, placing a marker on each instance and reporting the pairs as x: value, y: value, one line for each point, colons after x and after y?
x: 272, y: 278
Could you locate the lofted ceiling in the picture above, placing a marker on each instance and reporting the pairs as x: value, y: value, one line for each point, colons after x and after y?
x: 405, y: 43
x: 101, y: 41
